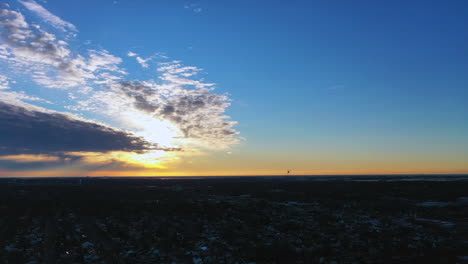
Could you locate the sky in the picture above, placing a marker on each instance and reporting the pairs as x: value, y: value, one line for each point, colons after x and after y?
x: 185, y: 88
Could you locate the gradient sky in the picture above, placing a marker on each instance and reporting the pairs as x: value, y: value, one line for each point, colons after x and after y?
x: 132, y: 87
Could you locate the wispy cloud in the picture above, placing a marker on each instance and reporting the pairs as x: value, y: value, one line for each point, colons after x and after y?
x: 194, y: 7
x: 4, y: 82
x: 47, y: 16
x: 142, y: 61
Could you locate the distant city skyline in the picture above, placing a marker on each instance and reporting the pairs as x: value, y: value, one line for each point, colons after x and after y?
x: 193, y: 88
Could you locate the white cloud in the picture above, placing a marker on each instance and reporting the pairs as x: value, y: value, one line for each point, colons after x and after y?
x: 4, y: 82
x: 143, y: 62
x: 175, y: 73
x: 194, y: 7
x: 131, y: 54
x: 17, y: 97
x: 103, y: 60
x: 47, y: 16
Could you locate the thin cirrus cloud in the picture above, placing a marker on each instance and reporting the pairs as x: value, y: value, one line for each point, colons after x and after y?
x: 47, y: 16
x: 194, y: 7
x: 4, y: 82
x: 94, y: 83
x: 143, y: 62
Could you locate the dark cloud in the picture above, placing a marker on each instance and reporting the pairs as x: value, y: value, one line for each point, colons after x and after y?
x: 138, y: 92
x: 28, y: 131
x: 16, y: 163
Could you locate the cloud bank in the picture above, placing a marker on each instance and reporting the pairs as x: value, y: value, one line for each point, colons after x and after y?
x: 32, y: 131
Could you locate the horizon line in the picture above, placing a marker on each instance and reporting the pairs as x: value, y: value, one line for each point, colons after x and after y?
x: 264, y: 175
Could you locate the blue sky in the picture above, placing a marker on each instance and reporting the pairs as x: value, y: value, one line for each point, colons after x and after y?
x: 307, y: 79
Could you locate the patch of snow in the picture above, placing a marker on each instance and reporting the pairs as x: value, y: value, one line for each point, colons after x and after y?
x: 87, y: 244
x: 130, y: 252
x: 91, y: 257
x: 10, y: 248
x: 435, y: 221
x: 297, y: 203
x: 435, y: 204
x: 197, y: 261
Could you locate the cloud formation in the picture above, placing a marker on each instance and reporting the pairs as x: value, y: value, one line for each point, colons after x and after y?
x: 32, y: 131
x: 197, y: 112
x: 169, y: 111
x: 191, y: 105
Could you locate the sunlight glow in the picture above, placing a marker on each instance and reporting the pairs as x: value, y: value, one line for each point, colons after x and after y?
x: 154, y: 130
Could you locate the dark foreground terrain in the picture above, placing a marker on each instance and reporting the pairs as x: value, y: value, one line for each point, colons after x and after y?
x: 234, y: 220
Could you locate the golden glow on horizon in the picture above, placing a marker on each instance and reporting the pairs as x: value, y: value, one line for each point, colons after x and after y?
x: 193, y: 163
x: 147, y: 173
x: 29, y: 158
x: 198, y: 163
x: 153, y: 159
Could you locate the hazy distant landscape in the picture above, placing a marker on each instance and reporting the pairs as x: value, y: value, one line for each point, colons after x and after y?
x: 361, y: 219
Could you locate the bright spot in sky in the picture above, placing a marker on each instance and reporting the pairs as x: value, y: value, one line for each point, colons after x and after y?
x: 154, y: 130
